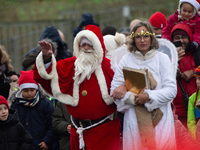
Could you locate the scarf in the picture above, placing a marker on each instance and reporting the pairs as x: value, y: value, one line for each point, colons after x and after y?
x: 25, y: 102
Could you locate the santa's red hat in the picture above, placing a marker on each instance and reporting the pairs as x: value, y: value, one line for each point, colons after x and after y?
x: 158, y: 20
x: 3, y: 101
x: 26, y: 80
x: 194, y: 3
x: 94, y: 35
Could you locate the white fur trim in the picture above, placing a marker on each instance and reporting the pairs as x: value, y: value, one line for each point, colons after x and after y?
x: 91, y: 36
x: 41, y: 68
x: 53, y: 76
x: 28, y: 85
x: 66, y: 98
x: 103, y: 86
x: 194, y: 3
x: 131, y: 99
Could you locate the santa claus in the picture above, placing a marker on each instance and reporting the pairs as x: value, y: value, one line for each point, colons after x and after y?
x: 83, y: 83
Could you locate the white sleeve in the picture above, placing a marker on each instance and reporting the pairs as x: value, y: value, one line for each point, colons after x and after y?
x: 128, y: 100
x: 168, y: 90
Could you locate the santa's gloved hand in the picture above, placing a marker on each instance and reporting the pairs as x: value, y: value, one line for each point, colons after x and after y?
x: 194, y: 46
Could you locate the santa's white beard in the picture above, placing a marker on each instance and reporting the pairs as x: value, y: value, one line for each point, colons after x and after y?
x: 85, y: 64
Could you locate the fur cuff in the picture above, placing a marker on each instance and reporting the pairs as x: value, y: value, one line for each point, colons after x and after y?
x: 103, y: 86
x: 41, y: 68
x: 131, y: 99
x: 152, y: 104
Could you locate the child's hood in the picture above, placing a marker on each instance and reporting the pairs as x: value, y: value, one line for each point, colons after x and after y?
x: 194, y: 3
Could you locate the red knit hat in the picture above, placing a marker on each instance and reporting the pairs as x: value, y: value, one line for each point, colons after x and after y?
x: 26, y: 80
x: 158, y: 20
x: 3, y: 101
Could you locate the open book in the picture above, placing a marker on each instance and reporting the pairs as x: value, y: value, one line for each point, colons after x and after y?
x: 135, y: 79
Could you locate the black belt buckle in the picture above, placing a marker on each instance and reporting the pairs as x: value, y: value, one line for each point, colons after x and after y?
x: 85, y: 123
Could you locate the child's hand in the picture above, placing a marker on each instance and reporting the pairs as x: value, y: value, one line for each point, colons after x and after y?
x: 43, y: 146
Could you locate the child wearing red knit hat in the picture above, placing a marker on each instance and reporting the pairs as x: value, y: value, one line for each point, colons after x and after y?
x: 194, y: 107
x: 158, y: 22
x: 12, y: 134
x: 187, y: 13
x: 35, y: 111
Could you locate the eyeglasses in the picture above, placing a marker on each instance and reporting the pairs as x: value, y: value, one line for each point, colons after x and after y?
x: 139, y: 37
x: 184, y: 37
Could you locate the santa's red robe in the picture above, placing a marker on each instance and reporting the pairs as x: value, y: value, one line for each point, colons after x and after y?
x: 96, y: 104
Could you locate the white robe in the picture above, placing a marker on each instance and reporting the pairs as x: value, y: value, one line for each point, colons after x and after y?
x: 161, y: 68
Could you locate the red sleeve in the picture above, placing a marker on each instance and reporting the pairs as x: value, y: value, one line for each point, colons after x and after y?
x: 44, y: 83
x: 171, y: 22
x: 65, y: 71
x: 196, y: 35
x: 108, y: 72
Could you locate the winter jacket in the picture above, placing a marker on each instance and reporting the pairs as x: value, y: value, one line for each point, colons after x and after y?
x: 29, y: 61
x: 194, y: 24
x: 13, y: 136
x: 60, y: 121
x: 51, y: 32
x: 37, y: 120
x: 186, y: 63
x: 5, y: 85
x: 193, y: 114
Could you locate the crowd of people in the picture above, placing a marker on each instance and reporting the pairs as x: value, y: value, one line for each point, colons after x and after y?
x: 81, y: 100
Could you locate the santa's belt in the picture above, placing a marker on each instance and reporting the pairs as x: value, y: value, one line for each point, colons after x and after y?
x: 87, y: 123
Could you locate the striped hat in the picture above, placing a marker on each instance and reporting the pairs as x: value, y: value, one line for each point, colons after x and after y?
x: 197, y: 72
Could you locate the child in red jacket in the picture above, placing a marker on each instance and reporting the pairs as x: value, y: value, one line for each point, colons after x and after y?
x: 187, y: 14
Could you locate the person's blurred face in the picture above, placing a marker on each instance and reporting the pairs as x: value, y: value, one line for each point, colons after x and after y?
x: 157, y: 31
x: 142, y: 42
x: 87, y: 46
x: 28, y: 93
x: 198, y: 82
x: 183, y: 38
x: 3, y: 112
x: 186, y: 11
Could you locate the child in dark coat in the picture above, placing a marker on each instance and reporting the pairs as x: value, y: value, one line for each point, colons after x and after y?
x: 34, y: 110
x: 13, y: 136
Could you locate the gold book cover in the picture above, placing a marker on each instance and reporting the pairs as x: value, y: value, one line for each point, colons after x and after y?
x: 135, y: 79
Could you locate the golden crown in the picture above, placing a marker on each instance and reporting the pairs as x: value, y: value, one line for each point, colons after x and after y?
x: 141, y: 33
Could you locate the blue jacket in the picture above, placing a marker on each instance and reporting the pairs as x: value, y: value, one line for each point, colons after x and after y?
x: 37, y: 121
